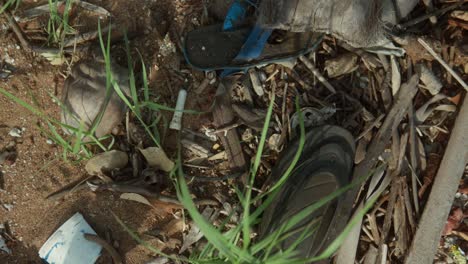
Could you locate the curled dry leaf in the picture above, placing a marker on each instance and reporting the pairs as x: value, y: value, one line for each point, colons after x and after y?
x: 176, y: 225
x: 156, y: 157
x: 454, y: 221
x: 158, y: 260
x: 195, y: 234
x: 113, y: 159
x: 341, y: 65
x: 136, y: 198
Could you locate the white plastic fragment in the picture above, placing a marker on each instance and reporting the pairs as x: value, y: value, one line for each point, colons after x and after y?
x: 16, y: 132
x: 3, y: 246
x: 68, y: 245
x: 176, y: 122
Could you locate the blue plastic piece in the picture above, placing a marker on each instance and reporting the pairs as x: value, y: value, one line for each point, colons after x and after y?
x: 236, y: 14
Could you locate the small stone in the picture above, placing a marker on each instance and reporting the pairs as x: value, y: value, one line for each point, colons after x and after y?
x: 8, y: 207
x: 49, y: 141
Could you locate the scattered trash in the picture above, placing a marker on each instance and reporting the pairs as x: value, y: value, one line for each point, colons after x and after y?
x: 176, y: 122
x: 106, y: 161
x: 8, y: 207
x: 3, y: 246
x: 157, y: 158
x: 16, y: 132
x: 67, y: 245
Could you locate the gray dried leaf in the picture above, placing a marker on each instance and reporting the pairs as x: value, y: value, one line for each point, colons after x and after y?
x: 111, y: 160
x: 312, y: 116
x: 428, y: 108
x: 396, y: 75
x: 136, y: 198
x: 431, y: 82
x: 195, y: 233
x: 157, y: 158
x: 159, y: 260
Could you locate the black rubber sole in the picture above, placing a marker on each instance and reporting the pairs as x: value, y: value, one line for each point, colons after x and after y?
x: 210, y: 48
x: 325, y: 166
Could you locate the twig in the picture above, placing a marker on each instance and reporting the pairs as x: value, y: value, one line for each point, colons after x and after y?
x: 413, y: 157
x: 103, y: 243
x: 429, y: 15
x: 316, y: 72
x: 17, y: 30
x: 293, y: 74
x: 400, y: 107
x: 441, y: 198
x: 86, y: 36
x: 441, y: 61
x: 25, y: 43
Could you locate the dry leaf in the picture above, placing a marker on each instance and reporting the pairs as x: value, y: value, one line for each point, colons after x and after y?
x: 195, y: 233
x: 454, y: 220
x: 136, y: 198
x: 113, y: 159
x: 156, y: 157
x: 175, y: 226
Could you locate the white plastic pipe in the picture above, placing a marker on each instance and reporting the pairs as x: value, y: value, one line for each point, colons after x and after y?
x: 176, y: 122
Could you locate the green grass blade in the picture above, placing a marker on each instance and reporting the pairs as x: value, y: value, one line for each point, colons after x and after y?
x: 210, y: 232
x: 78, y: 139
x: 258, y: 157
x: 145, y: 79
x: 133, y: 89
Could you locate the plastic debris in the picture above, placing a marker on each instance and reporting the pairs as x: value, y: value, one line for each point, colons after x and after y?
x: 68, y: 245
x: 3, y: 246
x: 176, y: 122
x: 16, y: 132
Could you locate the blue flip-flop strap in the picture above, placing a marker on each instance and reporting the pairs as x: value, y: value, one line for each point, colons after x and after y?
x: 252, y: 48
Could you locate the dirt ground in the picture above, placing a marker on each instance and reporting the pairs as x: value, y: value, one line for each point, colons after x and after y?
x: 39, y: 168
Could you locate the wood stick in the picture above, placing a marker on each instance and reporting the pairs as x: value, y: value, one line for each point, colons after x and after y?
x: 434, y: 217
x: 316, y: 72
x: 402, y: 101
x: 441, y: 61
